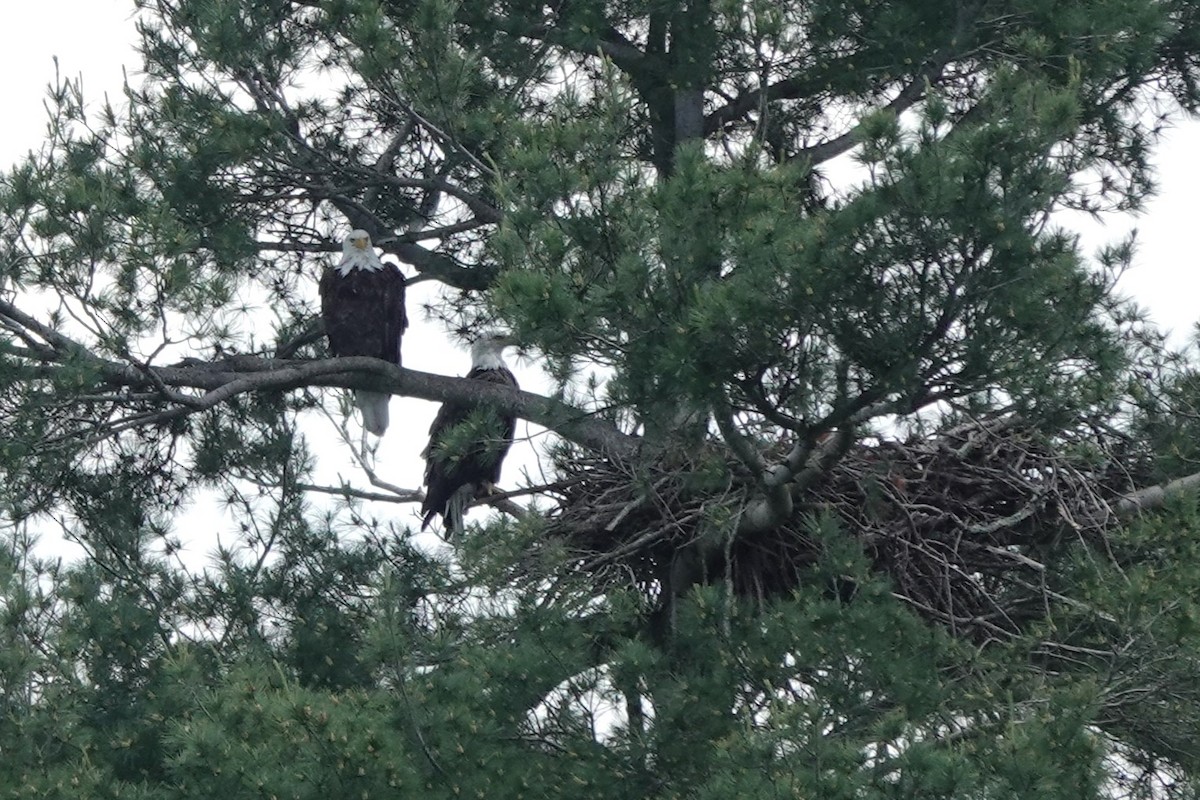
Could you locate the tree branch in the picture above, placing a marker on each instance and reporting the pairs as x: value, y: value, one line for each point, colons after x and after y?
x: 60, y: 343
x: 225, y: 379
x: 429, y: 263
x: 624, y: 54
x: 796, y: 86
x: 909, y: 95
x: 319, y: 166
x: 439, y: 266
x: 346, y: 491
x: 1155, y: 497
x: 805, y: 462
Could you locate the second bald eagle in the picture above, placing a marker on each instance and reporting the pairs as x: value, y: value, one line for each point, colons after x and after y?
x: 362, y: 303
x: 468, y: 442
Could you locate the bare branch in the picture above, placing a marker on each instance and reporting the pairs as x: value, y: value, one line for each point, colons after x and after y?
x: 1154, y: 497
x: 346, y: 491
x: 60, y: 342
x: 910, y: 94
x: 431, y: 264
x: 805, y: 462
x: 225, y: 379
x: 613, y: 45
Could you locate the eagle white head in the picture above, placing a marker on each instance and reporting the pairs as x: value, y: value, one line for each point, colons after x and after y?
x: 487, y: 352
x: 357, y: 253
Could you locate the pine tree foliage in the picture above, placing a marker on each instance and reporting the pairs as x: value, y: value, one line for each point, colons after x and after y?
x: 866, y: 482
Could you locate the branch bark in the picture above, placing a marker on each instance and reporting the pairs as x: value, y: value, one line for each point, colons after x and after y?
x: 1155, y: 497
x: 225, y: 379
x: 910, y: 94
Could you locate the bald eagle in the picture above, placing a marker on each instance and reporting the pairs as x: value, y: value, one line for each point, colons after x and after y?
x: 456, y: 474
x: 362, y: 303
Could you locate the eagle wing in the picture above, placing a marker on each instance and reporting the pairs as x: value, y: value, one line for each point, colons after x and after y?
x: 395, y: 315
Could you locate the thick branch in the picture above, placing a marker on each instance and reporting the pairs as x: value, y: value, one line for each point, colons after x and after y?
x: 1154, y: 497
x: 909, y: 95
x: 624, y: 54
x: 427, y: 262
x: 807, y: 461
x: 223, y: 380
x: 786, y: 89
x: 441, y: 267
x: 58, y: 342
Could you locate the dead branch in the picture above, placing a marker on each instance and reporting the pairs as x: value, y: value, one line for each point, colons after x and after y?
x: 1153, y: 497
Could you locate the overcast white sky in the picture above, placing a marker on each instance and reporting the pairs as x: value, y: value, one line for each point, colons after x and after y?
x: 94, y: 38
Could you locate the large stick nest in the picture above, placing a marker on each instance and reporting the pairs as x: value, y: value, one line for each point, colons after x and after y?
x: 960, y: 522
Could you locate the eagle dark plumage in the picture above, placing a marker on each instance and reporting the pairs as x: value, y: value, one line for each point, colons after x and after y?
x: 362, y: 303
x: 455, y: 476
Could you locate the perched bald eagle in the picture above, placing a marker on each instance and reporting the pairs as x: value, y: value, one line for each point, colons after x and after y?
x: 362, y: 303
x: 456, y: 472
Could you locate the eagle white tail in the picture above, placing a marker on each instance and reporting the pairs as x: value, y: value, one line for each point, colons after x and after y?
x: 374, y: 408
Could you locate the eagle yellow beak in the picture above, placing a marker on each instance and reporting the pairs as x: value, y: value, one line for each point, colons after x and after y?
x: 361, y: 244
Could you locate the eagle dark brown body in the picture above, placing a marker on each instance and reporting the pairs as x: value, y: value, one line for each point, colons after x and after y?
x: 364, y: 312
